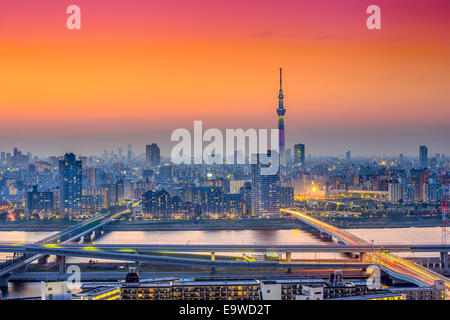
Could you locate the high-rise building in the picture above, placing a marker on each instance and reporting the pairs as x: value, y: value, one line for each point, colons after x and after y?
x: 94, y: 199
x: 129, y: 154
x: 152, y: 155
x: 280, y: 112
x: 84, y: 160
x: 90, y: 174
x: 156, y: 205
x: 232, y: 204
x: 266, y: 189
x: 423, y: 155
x: 286, y: 197
x: 70, y: 185
x: 299, y: 154
x: 39, y: 203
x: 348, y: 156
x: 288, y: 156
x: 246, y: 192
x: 18, y: 158
x: 116, y: 192
x: 210, y: 199
x: 419, y: 180
x: 236, y: 185
x: 395, y: 192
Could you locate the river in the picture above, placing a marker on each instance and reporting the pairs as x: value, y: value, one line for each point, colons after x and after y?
x: 429, y: 235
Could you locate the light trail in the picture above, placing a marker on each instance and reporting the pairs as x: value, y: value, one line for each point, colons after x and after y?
x: 387, y: 260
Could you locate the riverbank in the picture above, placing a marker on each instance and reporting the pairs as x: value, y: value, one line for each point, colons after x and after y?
x: 270, y: 224
x: 238, y: 224
x: 211, y: 225
x: 381, y: 222
x: 36, y: 225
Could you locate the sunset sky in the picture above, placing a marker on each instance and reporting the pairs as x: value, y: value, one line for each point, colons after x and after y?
x: 139, y: 69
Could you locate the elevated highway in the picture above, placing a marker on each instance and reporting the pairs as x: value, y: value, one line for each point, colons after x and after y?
x: 90, y: 252
x: 16, y: 247
x: 390, y: 263
x: 68, y: 235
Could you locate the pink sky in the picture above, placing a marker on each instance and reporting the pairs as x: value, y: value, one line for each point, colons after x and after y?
x: 139, y: 69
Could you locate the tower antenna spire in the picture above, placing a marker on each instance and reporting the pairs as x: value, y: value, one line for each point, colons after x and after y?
x: 281, y: 78
x: 280, y: 112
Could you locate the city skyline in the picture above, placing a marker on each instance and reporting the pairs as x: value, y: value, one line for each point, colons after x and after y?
x: 142, y: 153
x: 259, y: 152
x: 139, y: 150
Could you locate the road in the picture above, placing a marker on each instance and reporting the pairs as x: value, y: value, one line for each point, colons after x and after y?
x: 389, y: 262
x: 92, y: 252
x: 71, y: 234
x: 12, y: 247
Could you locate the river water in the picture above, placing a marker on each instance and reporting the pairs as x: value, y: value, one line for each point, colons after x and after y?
x: 430, y: 235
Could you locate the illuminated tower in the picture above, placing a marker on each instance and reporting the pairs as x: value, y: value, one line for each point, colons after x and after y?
x: 280, y: 112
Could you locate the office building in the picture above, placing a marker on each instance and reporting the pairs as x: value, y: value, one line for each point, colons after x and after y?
x: 246, y: 192
x: 94, y: 199
x: 423, y: 156
x: 70, y: 185
x: 39, y: 203
x: 210, y: 199
x: 152, y: 155
x: 395, y: 192
x: 116, y: 192
x: 130, y: 154
x: 156, y: 205
x: 266, y: 189
x: 286, y: 197
x: 232, y: 203
x: 299, y: 154
x: 236, y: 185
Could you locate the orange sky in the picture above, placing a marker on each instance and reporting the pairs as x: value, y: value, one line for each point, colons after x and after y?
x: 137, y: 70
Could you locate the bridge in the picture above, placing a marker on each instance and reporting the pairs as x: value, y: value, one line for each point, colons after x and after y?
x: 68, y: 235
x: 134, y: 253
x: 341, y: 248
x: 391, y: 264
x: 369, y: 253
x: 93, y: 252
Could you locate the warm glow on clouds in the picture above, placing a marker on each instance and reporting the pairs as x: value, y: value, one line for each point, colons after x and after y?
x: 141, y: 68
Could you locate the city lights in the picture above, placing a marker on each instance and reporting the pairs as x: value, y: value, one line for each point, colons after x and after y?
x: 214, y: 159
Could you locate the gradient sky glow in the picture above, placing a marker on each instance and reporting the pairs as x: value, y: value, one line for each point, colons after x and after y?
x: 139, y: 69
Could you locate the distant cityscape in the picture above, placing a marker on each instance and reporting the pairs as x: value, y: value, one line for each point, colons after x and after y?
x: 71, y: 187
x: 316, y: 194
x: 248, y: 153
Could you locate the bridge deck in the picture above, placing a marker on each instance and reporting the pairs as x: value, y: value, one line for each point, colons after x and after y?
x: 390, y: 263
x: 13, y: 247
x: 68, y: 235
